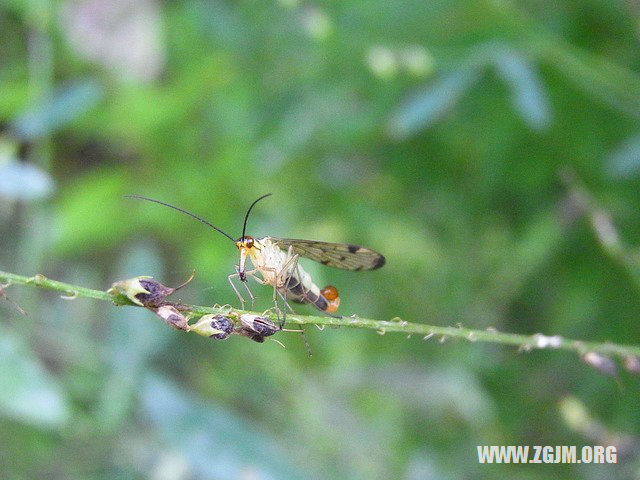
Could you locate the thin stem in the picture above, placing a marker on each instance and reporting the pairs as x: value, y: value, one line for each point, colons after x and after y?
x: 602, y: 225
x: 44, y: 282
x: 524, y: 342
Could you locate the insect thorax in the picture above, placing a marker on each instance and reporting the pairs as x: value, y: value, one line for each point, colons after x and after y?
x: 271, y: 261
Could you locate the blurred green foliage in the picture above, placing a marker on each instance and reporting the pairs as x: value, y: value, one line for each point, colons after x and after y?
x: 434, y: 132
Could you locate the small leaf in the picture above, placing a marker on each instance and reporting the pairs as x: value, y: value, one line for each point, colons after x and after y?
x: 427, y: 106
x: 624, y: 161
x: 527, y: 91
x: 23, y: 181
x: 27, y: 392
x: 18, y: 180
x: 601, y: 363
x: 57, y: 110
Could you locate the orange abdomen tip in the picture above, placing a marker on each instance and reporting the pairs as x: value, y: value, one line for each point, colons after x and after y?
x: 329, y: 292
x: 332, y: 306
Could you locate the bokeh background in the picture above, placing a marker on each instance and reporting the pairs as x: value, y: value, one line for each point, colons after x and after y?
x: 490, y: 149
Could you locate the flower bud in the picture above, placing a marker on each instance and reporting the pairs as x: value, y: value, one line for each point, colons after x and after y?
x: 214, y: 326
x: 632, y: 364
x: 257, y: 327
x: 130, y: 288
x: 144, y: 291
x: 157, y: 292
x: 601, y: 363
x: 172, y: 317
x: 223, y: 325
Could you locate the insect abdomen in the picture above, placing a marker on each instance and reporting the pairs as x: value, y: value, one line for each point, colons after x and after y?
x: 298, y: 283
x: 314, y: 295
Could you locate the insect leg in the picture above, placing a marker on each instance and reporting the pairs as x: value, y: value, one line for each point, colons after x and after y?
x: 290, y: 265
x: 240, y: 297
x: 275, y: 282
x: 250, y: 273
x: 296, y: 268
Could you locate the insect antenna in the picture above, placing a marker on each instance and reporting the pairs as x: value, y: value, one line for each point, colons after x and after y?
x: 140, y: 197
x: 246, y: 217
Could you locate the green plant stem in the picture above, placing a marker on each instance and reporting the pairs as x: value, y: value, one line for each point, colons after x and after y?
x: 524, y: 342
x: 602, y: 225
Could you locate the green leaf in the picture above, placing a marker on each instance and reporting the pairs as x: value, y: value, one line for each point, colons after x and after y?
x: 427, y: 106
x: 28, y: 393
x: 624, y: 161
x: 527, y: 90
x: 58, y: 110
x: 20, y: 180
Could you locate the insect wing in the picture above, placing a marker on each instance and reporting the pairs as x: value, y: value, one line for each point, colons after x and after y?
x: 339, y: 255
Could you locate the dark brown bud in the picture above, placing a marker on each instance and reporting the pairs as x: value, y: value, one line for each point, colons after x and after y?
x: 155, y: 292
x: 257, y: 327
x: 258, y: 324
x: 214, y: 326
x: 601, y: 363
x: 145, y: 291
x: 223, y: 324
x: 172, y: 317
x: 256, y: 337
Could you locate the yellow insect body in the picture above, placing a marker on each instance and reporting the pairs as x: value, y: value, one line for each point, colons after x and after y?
x: 281, y: 270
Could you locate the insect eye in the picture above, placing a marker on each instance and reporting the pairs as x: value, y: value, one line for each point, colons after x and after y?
x: 248, y: 241
x: 329, y: 292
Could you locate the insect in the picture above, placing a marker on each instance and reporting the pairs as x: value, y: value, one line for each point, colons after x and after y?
x: 276, y: 262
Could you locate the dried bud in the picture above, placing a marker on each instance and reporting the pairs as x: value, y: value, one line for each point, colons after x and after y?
x: 145, y: 291
x: 258, y: 324
x: 222, y: 324
x: 172, y: 317
x: 257, y: 327
x: 601, y: 363
x: 214, y: 326
x: 157, y: 292
x: 256, y: 337
x: 632, y: 364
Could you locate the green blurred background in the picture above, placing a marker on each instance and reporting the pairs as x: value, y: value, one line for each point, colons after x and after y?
x: 437, y: 132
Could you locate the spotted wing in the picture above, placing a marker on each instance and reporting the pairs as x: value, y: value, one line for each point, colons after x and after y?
x: 339, y: 255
